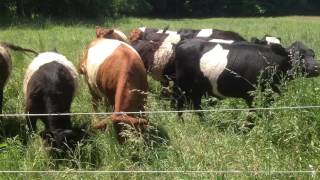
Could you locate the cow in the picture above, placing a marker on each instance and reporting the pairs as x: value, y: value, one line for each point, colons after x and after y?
x: 267, y: 40
x: 175, y: 37
x: 163, y: 36
x: 158, y: 59
x: 115, y: 72
x: 48, y: 87
x: 6, y: 65
x: 110, y: 33
x: 233, y: 70
x: 155, y: 30
x: 210, y: 33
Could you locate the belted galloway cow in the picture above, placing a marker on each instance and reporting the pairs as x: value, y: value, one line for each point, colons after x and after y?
x: 233, y: 70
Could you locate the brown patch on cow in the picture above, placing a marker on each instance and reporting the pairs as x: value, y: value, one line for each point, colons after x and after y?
x: 135, y: 35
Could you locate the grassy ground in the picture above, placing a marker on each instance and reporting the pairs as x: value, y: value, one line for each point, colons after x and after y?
x: 282, y: 140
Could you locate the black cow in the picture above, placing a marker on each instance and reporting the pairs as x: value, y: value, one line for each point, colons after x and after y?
x: 49, y: 86
x: 232, y: 70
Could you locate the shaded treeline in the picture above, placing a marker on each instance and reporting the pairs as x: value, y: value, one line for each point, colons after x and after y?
x: 172, y: 8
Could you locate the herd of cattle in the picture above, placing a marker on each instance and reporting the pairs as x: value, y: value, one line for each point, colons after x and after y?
x: 199, y: 62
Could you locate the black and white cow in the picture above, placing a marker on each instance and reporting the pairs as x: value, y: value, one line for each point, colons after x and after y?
x: 155, y: 30
x: 232, y: 70
x: 151, y: 34
x: 158, y: 59
x: 210, y: 33
x: 49, y: 85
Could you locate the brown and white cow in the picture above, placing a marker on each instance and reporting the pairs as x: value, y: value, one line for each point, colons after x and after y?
x: 6, y: 65
x: 115, y: 72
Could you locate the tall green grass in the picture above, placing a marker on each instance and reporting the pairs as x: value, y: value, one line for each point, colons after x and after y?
x: 282, y: 140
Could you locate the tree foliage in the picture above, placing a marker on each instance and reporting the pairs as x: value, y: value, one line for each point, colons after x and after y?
x: 175, y: 8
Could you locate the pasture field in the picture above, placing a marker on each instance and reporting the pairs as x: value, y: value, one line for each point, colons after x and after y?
x: 282, y: 140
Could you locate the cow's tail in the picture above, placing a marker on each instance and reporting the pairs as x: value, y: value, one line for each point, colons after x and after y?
x: 17, y: 48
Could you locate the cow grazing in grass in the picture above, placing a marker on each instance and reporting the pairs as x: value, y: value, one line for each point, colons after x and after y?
x: 232, y: 70
x: 110, y: 34
x: 6, y: 65
x: 49, y: 85
x: 115, y: 72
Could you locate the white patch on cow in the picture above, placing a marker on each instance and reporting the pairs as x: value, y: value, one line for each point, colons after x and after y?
x: 5, y: 53
x: 143, y: 29
x: 172, y: 38
x: 222, y: 41
x: 99, y: 53
x: 167, y: 32
x: 272, y: 40
x: 121, y: 34
x: 45, y: 58
x: 212, y: 64
x: 204, y: 33
x: 161, y: 59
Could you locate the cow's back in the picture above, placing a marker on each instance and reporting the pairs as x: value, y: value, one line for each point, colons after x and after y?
x: 5, y: 65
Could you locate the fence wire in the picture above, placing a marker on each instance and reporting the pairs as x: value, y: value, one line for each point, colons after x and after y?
x: 312, y: 173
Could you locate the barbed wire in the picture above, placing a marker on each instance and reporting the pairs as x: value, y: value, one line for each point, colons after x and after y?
x: 169, y: 111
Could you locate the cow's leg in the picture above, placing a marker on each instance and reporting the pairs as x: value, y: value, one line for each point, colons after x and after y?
x: 196, y: 99
x: 249, y: 124
x: 1, y: 99
x: 95, y: 99
x: 165, y: 91
x: 32, y: 123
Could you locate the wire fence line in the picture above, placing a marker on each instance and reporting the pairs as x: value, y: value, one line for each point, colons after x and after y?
x: 312, y: 173
x: 169, y: 111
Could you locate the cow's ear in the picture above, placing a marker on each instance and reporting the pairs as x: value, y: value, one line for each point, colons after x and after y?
x: 98, y: 31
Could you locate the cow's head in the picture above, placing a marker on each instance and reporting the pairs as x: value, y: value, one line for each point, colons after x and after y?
x: 303, y: 58
x: 64, y: 139
x: 135, y: 35
x: 110, y: 34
